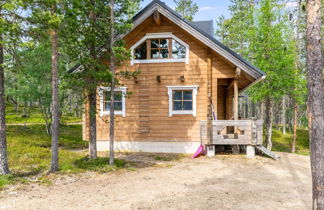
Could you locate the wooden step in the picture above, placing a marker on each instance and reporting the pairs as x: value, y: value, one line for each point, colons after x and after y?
x: 267, y: 152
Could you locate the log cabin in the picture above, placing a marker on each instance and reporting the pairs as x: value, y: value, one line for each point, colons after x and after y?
x: 186, y: 94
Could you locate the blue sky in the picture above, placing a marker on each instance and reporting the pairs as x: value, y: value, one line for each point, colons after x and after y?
x: 208, y: 9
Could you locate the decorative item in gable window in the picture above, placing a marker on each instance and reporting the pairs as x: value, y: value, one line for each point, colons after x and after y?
x: 160, y: 48
x: 120, y: 101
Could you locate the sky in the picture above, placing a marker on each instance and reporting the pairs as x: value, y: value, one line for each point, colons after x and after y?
x: 208, y: 9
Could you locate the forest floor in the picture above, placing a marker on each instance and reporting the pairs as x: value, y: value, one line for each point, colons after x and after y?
x: 174, y: 182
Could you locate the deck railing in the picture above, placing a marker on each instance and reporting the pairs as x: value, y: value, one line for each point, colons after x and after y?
x: 234, y: 132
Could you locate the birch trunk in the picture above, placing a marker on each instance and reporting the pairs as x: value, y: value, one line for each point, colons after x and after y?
x: 315, y: 87
x: 269, y: 121
x: 284, y: 115
x: 293, y: 146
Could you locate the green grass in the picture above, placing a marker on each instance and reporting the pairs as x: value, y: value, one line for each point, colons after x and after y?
x: 282, y: 143
x: 169, y: 157
x: 29, y: 153
x: 35, y: 116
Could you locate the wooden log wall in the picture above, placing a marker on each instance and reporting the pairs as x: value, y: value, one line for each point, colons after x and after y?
x: 147, y: 108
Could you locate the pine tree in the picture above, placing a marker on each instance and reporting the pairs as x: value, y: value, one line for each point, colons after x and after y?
x: 187, y: 8
x: 88, y: 32
x: 47, y: 16
x: 9, y: 28
x: 315, y: 99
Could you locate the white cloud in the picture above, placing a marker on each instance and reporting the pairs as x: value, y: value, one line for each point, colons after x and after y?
x: 206, y: 8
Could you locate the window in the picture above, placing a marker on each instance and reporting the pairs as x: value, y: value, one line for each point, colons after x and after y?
x: 164, y: 47
x: 141, y: 52
x: 120, y: 107
x: 182, y: 100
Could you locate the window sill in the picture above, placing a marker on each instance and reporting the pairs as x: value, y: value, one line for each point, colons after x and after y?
x: 182, y: 113
x: 106, y: 113
x: 182, y: 60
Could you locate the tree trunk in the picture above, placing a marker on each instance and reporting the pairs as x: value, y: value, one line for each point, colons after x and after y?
x: 112, y: 86
x: 293, y: 145
x: 92, y: 95
x: 262, y: 111
x: 4, y: 169
x: 284, y: 115
x: 55, y: 101
x: 268, y: 121
x: 92, y: 98
x: 315, y: 87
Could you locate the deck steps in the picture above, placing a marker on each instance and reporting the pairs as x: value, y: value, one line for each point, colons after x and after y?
x: 267, y: 152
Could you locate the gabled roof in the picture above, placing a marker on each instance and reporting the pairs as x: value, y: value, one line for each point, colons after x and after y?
x: 199, y: 33
x: 202, y: 33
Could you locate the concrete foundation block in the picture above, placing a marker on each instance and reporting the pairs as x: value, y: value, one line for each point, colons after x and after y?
x: 210, y: 150
x: 250, y: 151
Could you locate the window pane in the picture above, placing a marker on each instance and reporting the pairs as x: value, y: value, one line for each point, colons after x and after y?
x: 118, y: 106
x: 178, y: 50
x: 107, y: 106
x: 118, y: 95
x: 155, y: 54
x: 107, y: 95
x: 154, y: 43
x: 177, y: 105
x: 164, y: 43
x: 177, y: 95
x: 164, y: 53
x: 187, y: 105
x: 187, y: 95
x: 141, y: 52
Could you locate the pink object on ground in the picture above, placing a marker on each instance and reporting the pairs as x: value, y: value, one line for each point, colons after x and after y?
x: 200, y: 151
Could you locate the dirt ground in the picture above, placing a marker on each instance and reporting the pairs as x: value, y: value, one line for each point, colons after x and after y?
x: 222, y: 182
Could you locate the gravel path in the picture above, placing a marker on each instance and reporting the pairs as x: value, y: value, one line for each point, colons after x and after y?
x: 222, y: 182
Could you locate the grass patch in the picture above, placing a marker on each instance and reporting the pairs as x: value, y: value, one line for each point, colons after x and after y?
x: 5, y: 180
x: 169, y: 157
x: 282, y: 143
x: 29, y: 149
x: 34, y: 116
x: 29, y: 154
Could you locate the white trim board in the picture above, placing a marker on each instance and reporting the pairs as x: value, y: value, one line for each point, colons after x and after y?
x: 123, y: 90
x: 194, y: 89
x: 150, y: 146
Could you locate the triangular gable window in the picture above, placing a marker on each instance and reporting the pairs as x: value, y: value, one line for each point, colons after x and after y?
x: 162, y: 47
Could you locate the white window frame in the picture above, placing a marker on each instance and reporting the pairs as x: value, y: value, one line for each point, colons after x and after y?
x: 194, y: 89
x: 101, y: 95
x: 160, y: 36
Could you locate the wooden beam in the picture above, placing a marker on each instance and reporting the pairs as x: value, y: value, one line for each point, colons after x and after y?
x: 157, y: 18
x: 209, y: 95
x: 230, y: 85
x: 237, y: 73
x: 235, y: 100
